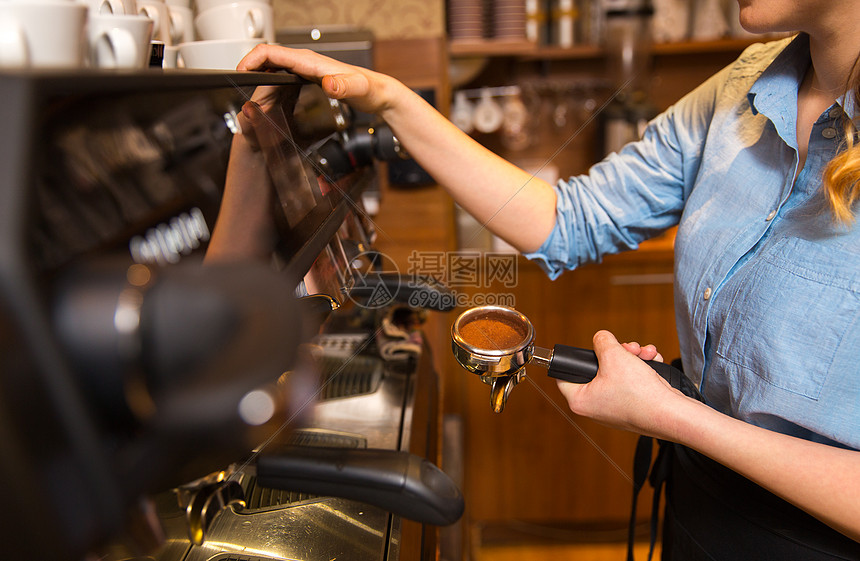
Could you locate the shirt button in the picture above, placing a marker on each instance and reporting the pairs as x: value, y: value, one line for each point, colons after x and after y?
x: 707, y: 294
x: 835, y: 113
x: 829, y: 132
x: 770, y: 216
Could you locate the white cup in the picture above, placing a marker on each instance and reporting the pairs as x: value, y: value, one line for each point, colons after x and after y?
x: 488, y: 115
x: 237, y: 20
x: 157, y: 11
x: 117, y: 7
x: 119, y: 41
x: 201, y: 6
x: 181, y: 24
x: 42, y: 34
x: 171, y: 57
x: 223, y: 54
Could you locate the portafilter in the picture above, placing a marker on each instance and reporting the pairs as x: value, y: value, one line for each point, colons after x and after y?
x: 497, y: 343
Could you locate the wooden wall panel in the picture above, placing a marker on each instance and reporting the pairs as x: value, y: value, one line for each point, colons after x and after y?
x: 536, y: 461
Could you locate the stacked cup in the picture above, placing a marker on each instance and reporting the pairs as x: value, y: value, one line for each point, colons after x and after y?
x: 179, y: 28
x: 181, y: 21
x: 68, y: 34
x: 226, y: 31
x: 173, y: 23
x: 117, y: 36
x: 42, y: 34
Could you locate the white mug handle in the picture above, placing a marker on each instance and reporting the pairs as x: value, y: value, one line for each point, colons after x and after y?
x: 177, y: 27
x: 114, y: 7
x: 14, y: 51
x: 116, y: 48
x: 254, y: 23
x: 153, y: 15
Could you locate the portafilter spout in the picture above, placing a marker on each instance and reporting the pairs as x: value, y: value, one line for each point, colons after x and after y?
x: 497, y: 343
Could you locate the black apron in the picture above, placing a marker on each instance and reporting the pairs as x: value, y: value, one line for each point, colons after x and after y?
x: 714, y: 514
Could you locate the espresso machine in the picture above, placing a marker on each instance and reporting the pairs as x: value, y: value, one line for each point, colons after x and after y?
x: 156, y: 404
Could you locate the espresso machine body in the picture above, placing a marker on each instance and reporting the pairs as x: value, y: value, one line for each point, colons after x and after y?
x: 128, y: 363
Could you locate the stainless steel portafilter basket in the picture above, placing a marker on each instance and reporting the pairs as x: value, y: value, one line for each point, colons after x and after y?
x: 492, y: 341
x: 497, y: 343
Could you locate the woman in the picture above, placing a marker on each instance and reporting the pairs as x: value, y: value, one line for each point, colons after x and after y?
x: 759, y: 170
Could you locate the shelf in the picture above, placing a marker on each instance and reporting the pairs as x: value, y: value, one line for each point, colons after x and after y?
x: 463, y: 48
x: 526, y: 50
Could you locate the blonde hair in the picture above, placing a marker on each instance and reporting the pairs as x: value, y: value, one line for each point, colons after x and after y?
x: 842, y: 174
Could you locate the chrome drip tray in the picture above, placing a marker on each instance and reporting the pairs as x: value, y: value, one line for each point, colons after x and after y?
x: 361, y: 403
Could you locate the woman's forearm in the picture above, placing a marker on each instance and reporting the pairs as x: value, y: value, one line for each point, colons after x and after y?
x: 244, y: 229
x: 820, y: 479
x: 498, y: 194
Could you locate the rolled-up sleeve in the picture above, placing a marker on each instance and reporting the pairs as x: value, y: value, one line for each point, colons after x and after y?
x: 631, y: 195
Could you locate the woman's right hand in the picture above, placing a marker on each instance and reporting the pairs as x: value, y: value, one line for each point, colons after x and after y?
x: 366, y: 90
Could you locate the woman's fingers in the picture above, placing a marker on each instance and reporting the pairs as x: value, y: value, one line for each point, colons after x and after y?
x: 647, y: 352
x: 364, y: 88
x: 267, y: 57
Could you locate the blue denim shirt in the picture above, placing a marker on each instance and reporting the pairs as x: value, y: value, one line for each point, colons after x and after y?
x: 767, y: 287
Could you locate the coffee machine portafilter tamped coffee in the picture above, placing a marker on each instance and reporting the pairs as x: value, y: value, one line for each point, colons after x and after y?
x: 497, y: 343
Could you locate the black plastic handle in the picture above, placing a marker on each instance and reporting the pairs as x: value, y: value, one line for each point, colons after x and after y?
x: 400, y: 482
x: 577, y: 365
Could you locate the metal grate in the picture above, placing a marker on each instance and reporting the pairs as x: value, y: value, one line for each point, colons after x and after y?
x: 349, y: 376
x: 346, y: 344
x: 237, y: 557
x: 259, y: 498
x: 327, y: 438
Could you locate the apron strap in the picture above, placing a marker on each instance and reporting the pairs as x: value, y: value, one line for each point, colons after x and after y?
x: 661, y: 467
x: 659, y: 475
x: 659, y: 472
x: 641, y: 465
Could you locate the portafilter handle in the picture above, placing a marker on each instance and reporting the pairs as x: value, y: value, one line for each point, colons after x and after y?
x: 577, y: 365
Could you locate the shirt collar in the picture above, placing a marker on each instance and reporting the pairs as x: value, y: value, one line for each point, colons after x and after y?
x: 848, y: 102
x: 774, y: 93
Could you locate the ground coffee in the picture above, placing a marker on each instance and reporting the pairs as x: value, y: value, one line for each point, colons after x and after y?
x: 493, y: 332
